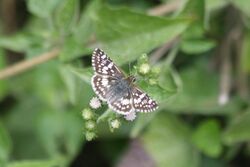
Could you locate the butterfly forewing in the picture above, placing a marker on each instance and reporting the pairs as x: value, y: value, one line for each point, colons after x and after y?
x: 103, y: 65
x: 123, y: 105
x: 142, y: 102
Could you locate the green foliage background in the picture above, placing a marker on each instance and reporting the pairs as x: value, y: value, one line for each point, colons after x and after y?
x: 40, y: 110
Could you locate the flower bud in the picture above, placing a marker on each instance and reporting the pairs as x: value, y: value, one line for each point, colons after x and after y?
x: 144, y: 68
x: 90, y: 135
x: 87, y: 114
x: 90, y: 125
x: 115, y: 124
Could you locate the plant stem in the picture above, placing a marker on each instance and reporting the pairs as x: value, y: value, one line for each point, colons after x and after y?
x: 28, y: 64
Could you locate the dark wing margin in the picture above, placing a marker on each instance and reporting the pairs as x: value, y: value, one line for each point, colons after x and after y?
x: 103, y: 65
x: 142, y: 102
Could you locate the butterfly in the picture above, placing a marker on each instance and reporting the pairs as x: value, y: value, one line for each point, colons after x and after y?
x: 112, y: 86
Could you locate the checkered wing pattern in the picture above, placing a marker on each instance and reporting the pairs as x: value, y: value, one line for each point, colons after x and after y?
x: 123, y: 105
x: 103, y: 65
x: 142, y: 102
x: 101, y: 84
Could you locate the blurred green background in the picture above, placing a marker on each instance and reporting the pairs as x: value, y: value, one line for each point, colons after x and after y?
x: 198, y: 52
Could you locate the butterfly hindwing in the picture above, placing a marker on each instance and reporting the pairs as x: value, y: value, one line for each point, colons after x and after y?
x: 123, y: 105
x: 142, y: 102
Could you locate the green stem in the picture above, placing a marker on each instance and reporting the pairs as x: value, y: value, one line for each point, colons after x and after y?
x: 105, y: 115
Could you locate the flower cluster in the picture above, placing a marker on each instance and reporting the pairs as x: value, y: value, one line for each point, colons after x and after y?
x: 90, y: 118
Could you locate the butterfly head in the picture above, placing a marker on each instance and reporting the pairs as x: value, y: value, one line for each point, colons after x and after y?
x: 131, y: 79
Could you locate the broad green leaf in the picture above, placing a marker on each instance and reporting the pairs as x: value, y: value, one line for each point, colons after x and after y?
x: 243, y: 5
x: 167, y: 141
x: 142, y: 121
x: 35, y: 163
x: 238, y: 130
x: 196, y: 46
x: 5, y: 145
x: 72, y: 49
x: 77, y: 44
x: 207, y: 138
x: 193, y: 41
x: 43, y: 8
x: 194, y: 9
x: 66, y: 15
x: 195, y: 31
x: 18, y: 42
x: 66, y: 126
x: 215, y: 4
x: 85, y: 28
x: 199, y: 92
x: 245, y: 57
x: 84, y: 73
x: 159, y: 93
x: 22, y: 132
x: 133, y: 33
x: 79, y: 92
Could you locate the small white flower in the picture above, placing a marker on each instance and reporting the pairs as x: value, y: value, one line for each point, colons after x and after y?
x: 144, y: 68
x: 223, y: 99
x: 115, y: 124
x: 131, y: 116
x: 95, y: 103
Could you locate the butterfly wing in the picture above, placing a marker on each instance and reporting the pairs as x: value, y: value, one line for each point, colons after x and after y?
x: 123, y: 105
x: 142, y: 102
x: 103, y: 65
x: 101, y: 85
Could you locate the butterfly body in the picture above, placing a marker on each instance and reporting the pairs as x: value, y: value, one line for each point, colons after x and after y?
x: 111, y: 85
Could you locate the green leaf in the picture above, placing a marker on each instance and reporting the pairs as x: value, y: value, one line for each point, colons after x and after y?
x: 5, y: 145
x: 141, y: 122
x: 167, y: 141
x: 72, y: 49
x: 43, y: 8
x: 193, y: 98
x: 215, y: 4
x: 18, y: 42
x: 207, y: 138
x: 238, y: 130
x: 34, y: 163
x: 243, y: 5
x: 245, y: 60
x: 194, y: 9
x: 84, y: 73
x: 196, y: 46
x: 79, y: 92
x: 85, y: 28
x: 133, y: 33
x: 160, y: 94
x: 66, y: 126
x: 66, y: 15
x: 22, y: 132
